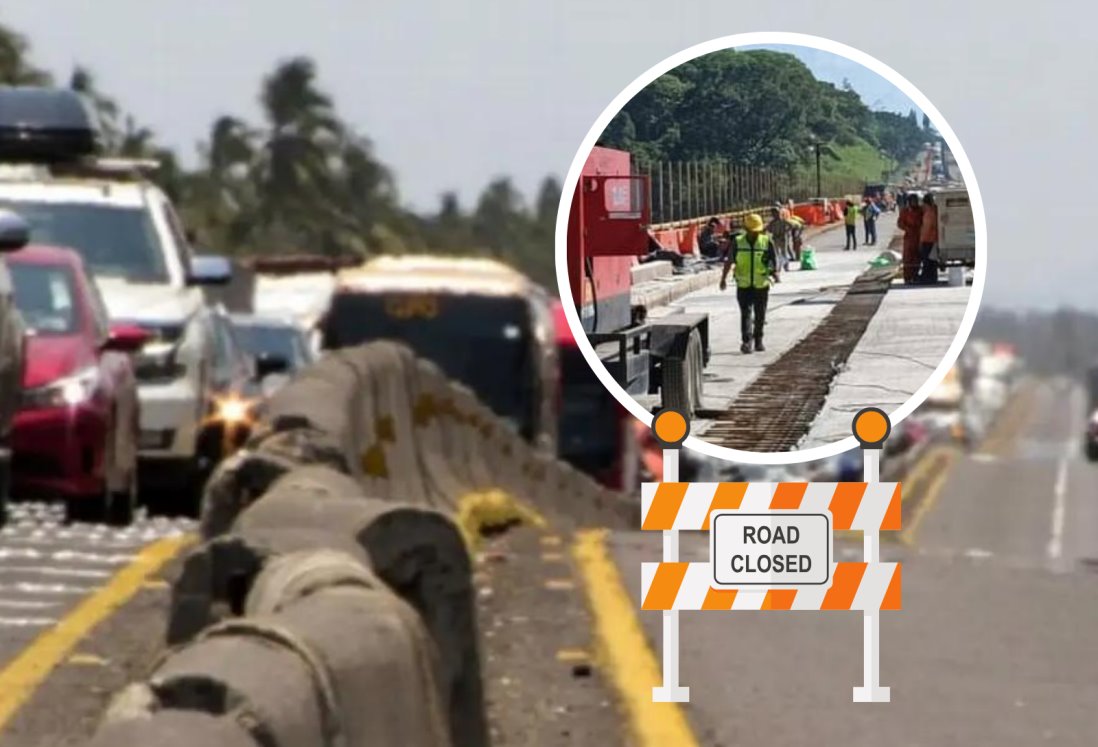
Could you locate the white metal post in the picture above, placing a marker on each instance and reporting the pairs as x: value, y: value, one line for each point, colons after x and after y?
x: 671, y: 691
x: 871, y: 690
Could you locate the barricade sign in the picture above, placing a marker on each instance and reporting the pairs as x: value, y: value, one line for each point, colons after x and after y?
x: 771, y: 547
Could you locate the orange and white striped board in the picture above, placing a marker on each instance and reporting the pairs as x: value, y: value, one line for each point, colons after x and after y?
x: 687, y: 506
x: 854, y: 586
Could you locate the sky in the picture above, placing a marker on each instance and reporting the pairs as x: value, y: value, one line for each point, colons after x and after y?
x: 453, y: 94
x: 877, y: 93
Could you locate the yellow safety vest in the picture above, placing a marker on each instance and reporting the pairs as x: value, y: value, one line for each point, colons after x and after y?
x: 751, y: 269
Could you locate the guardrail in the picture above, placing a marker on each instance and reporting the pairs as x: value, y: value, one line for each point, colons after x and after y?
x: 330, y: 600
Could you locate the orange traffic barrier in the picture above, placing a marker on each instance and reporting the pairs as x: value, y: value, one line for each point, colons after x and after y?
x: 854, y: 586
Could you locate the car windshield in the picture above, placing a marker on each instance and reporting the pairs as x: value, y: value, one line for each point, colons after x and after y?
x: 114, y: 241
x: 45, y: 298
x: 270, y: 339
x: 483, y: 342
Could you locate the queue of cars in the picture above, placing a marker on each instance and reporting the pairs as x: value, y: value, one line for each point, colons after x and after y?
x: 116, y: 371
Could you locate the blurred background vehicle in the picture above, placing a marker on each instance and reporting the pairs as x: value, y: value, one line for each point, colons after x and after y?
x: 596, y: 434
x: 14, y: 234
x: 483, y: 323
x: 1091, y: 438
x: 279, y: 347
x: 76, y: 432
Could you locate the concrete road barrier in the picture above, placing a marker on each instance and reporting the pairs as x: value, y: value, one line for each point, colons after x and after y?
x: 331, y: 600
x: 174, y: 729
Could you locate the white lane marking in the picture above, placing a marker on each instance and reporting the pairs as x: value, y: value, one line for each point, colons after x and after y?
x: 26, y: 622
x: 26, y: 604
x: 29, y: 553
x: 29, y: 587
x: 978, y: 553
x: 1056, y: 542
x: 984, y: 458
x: 52, y: 571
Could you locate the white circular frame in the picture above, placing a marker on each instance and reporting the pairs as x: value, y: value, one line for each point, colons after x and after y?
x: 750, y: 39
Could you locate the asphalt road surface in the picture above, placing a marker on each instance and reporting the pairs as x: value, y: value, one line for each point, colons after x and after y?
x: 997, y: 643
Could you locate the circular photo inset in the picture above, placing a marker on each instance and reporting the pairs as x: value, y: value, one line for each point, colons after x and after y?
x: 768, y: 233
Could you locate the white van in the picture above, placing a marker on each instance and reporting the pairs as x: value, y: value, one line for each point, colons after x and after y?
x: 956, y: 228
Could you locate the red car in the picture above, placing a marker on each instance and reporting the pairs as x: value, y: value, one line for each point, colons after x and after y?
x: 76, y: 431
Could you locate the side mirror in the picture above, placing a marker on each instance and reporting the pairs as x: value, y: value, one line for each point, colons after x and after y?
x: 14, y: 231
x: 267, y: 364
x: 126, y: 338
x: 210, y: 269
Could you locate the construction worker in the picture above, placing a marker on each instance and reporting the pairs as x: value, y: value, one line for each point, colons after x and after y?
x: 756, y: 265
x: 869, y: 218
x: 709, y: 240
x: 798, y: 235
x: 851, y: 217
x: 780, y: 229
x: 910, y: 221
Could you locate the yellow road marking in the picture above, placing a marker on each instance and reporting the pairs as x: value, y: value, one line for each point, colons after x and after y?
x: 623, y: 650
x: 26, y: 672
x: 907, y: 536
x: 1011, y: 422
x: 491, y: 509
x: 155, y: 583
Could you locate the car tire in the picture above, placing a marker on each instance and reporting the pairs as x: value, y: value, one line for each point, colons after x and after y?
x: 89, y: 509
x: 5, y: 488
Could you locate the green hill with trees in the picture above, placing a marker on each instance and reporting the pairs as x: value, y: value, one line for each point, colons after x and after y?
x: 761, y: 108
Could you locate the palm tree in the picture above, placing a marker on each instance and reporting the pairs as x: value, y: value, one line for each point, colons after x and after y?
x: 14, y: 67
x: 302, y: 141
x: 106, y: 109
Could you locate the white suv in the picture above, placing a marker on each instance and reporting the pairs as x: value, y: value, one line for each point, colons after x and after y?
x: 130, y: 237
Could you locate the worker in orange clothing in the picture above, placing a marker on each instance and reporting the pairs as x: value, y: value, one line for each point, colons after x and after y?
x: 928, y: 239
x: 910, y: 221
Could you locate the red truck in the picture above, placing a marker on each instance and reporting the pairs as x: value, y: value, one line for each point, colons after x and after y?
x: 608, y: 229
x: 596, y: 434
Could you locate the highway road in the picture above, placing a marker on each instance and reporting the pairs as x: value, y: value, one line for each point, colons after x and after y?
x: 82, y: 612
x: 997, y: 643
x: 998, y: 640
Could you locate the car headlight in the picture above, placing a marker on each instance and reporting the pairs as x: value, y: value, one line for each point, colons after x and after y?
x: 66, y: 392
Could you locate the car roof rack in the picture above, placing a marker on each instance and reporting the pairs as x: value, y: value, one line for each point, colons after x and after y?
x: 46, y: 125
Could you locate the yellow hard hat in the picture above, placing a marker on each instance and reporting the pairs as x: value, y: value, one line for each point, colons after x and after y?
x: 753, y: 223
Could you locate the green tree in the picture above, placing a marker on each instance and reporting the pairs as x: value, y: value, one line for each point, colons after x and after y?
x: 15, y: 69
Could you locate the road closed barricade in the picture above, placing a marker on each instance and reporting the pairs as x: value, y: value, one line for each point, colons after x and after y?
x: 771, y: 547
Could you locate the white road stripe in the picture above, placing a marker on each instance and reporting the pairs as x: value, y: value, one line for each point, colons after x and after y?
x: 53, y: 571
x: 26, y: 622
x: 29, y: 587
x: 1056, y: 542
x: 29, y: 553
x: 26, y: 604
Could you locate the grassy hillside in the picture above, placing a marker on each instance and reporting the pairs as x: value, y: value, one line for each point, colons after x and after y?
x: 861, y: 162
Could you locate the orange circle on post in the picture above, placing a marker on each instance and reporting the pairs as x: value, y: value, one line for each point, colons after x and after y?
x: 871, y: 427
x: 670, y: 426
